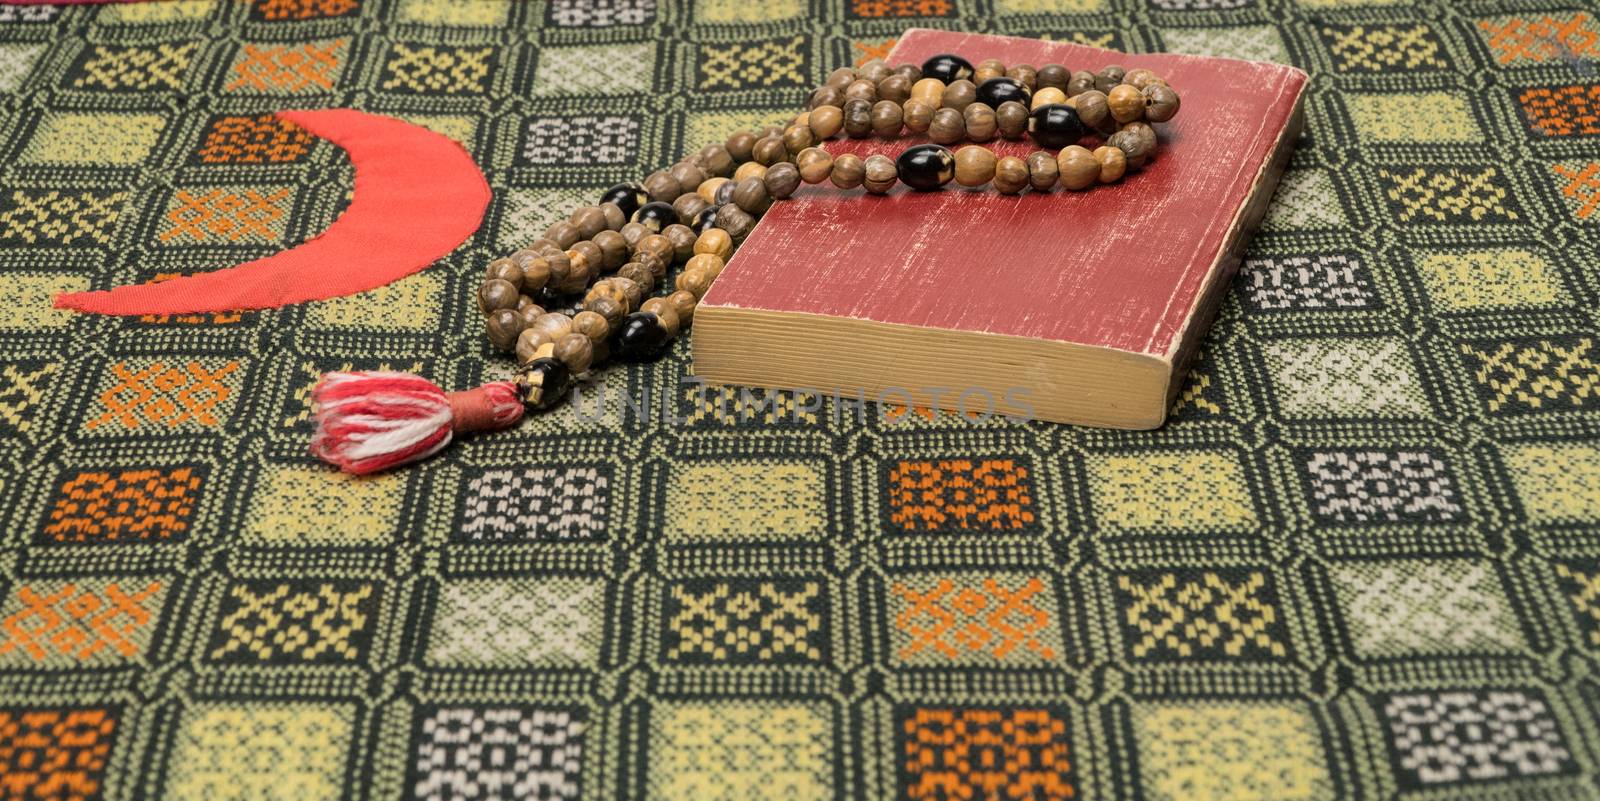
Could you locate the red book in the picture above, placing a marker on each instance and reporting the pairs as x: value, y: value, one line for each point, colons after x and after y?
x: 1077, y: 307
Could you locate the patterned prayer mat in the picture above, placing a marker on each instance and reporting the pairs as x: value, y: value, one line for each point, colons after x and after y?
x: 1361, y: 562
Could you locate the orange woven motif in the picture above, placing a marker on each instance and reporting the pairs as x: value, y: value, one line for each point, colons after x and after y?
x: 304, y: 9
x: 1541, y: 40
x: 901, y: 8
x: 986, y: 618
x: 261, y: 139
x: 54, y: 754
x: 100, y: 506
x: 986, y: 754
x: 162, y: 395
x: 1581, y: 187
x: 79, y: 622
x: 289, y: 68
x: 989, y: 495
x: 1562, y: 110
x: 221, y: 215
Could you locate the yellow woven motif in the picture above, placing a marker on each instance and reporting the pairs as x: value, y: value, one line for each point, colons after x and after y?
x: 1556, y: 483
x: 22, y: 389
x: 1195, y: 491
x: 750, y: 623
x: 1211, y: 614
x: 1488, y: 279
x: 1231, y: 752
x: 1394, y: 117
x: 437, y: 70
x: 300, y: 623
x: 1584, y: 593
x: 1447, y: 194
x: 63, y: 217
x: 1375, y: 48
x: 742, y: 66
x: 136, y: 68
x: 1540, y: 375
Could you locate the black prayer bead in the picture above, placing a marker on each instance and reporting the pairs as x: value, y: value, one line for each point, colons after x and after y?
x: 543, y: 382
x: 1056, y: 126
x: 995, y: 91
x: 656, y: 216
x: 926, y: 167
x: 947, y: 68
x: 628, y: 197
x: 641, y: 337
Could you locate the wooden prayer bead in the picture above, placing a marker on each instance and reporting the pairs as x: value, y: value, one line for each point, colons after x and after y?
x: 710, y: 262
x: 503, y: 326
x: 1081, y: 81
x: 857, y: 119
x: 874, y: 70
x: 656, y: 245
x: 591, y: 254
x: 848, y: 171
x: 716, y: 159
x: 613, y: 249
x: 665, y: 312
x: 948, y: 127
x: 505, y: 270
x: 886, y: 119
x: 1126, y: 103
x: 1011, y: 119
x: 895, y: 87
x: 580, y: 271
x: 615, y: 219
x: 910, y: 72
x: 662, y: 186
x: 825, y: 121
x: 715, y: 242
x: 1139, y: 78
x: 1025, y: 73
x: 841, y: 77
x: 980, y: 122
x: 749, y: 169
x: 632, y: 292
x: 639, y: 273
x: 695, y: 281
x: 739, y: 145
x: 770, y: 150
x: 1010, y: 175
x: 560, y: 266
x: 528, y: 310
x: 575, y: 351
x: 657, y: 267
x: 781, y: 180
x: 609, y: 308
x: 815, y: 165
x: 736, y: 221
x: 1137, y: 140
x: 751, y: 195
x: 1113, y: 163
x: 496, y: 294
x: 928, y: 91
x: 688, y: 175
x: 1161, y: 103
x: 562, y: 233
x: 554, y: 325
x: 591, y: 325
x: 958, y: 94
x: 589, y: 220
x: 1108, y: 77
x: 1042, y: 171
x: 797, y: 138
x: 825, y: 96
x: 684, y: 303
x: 633, y: 232
x: 878, y: 174
x: 975, y: 166
x: 916, y: 115
x: 1093, y: 107
x: 1054, y: 76
x: 1047, y: 96
x: 530, y: 342
x: 535, y: 274
x: 682, y: 238
x: 861, y: 89
x: 989, y: 65
x: 1078, y: 167
x: 689, y: 205
x: 981, y: 74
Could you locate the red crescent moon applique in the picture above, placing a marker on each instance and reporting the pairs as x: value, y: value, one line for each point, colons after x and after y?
x: 418, y: 195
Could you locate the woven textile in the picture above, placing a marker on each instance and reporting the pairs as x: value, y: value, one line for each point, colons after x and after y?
x: 1361, y: 561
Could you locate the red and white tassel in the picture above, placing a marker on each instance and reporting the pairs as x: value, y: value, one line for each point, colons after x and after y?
x: 367, y: 422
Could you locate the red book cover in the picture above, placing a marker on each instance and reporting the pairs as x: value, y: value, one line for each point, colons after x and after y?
x: 1092, y: 302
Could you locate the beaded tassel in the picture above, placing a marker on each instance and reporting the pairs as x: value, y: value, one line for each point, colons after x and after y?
x: 368, y: 422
